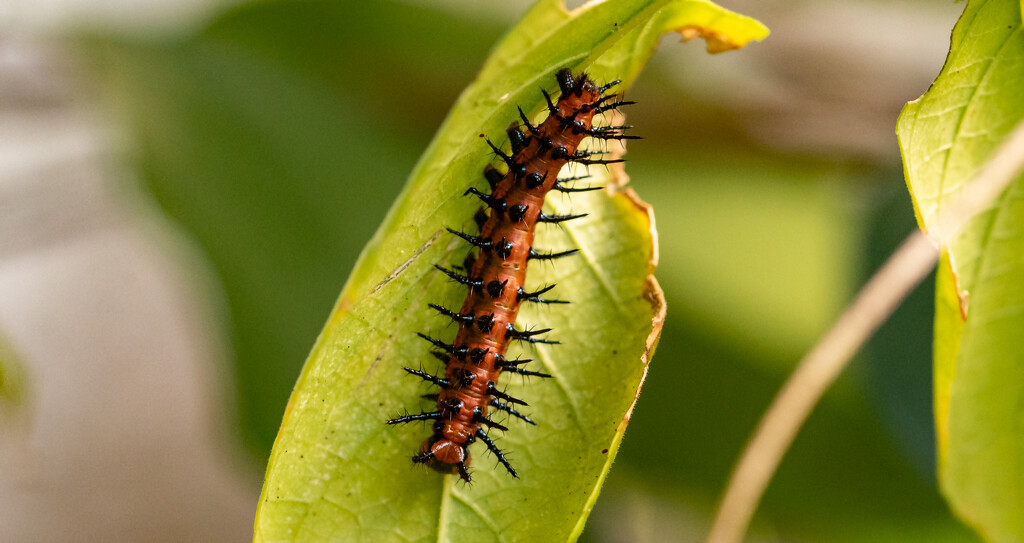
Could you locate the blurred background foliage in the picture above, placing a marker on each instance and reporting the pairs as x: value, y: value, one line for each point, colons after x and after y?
x: 276, y: 134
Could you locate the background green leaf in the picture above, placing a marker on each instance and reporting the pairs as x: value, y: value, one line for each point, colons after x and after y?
x: 945, y: 136
x: 331, y: 472
x: 13, y: 389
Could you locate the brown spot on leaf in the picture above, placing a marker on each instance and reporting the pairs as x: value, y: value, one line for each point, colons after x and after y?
x: 717, y: 42
x: 652, y: 293
x: 961, y: 294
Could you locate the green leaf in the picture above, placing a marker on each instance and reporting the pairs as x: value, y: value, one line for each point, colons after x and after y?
x: 337, y: 472
x: 946, y: 136
x: 13, y: 389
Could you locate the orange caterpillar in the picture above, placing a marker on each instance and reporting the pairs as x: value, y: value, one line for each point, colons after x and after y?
x: 496, y: 273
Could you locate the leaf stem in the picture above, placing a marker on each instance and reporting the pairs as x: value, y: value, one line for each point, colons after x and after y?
x: 816, y: 372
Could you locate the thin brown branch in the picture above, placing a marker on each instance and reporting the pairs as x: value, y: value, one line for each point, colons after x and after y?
x: 904, y: 270
x: 812, y: 377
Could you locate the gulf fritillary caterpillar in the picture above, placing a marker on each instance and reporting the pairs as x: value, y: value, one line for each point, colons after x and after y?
x: 495, y: 275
